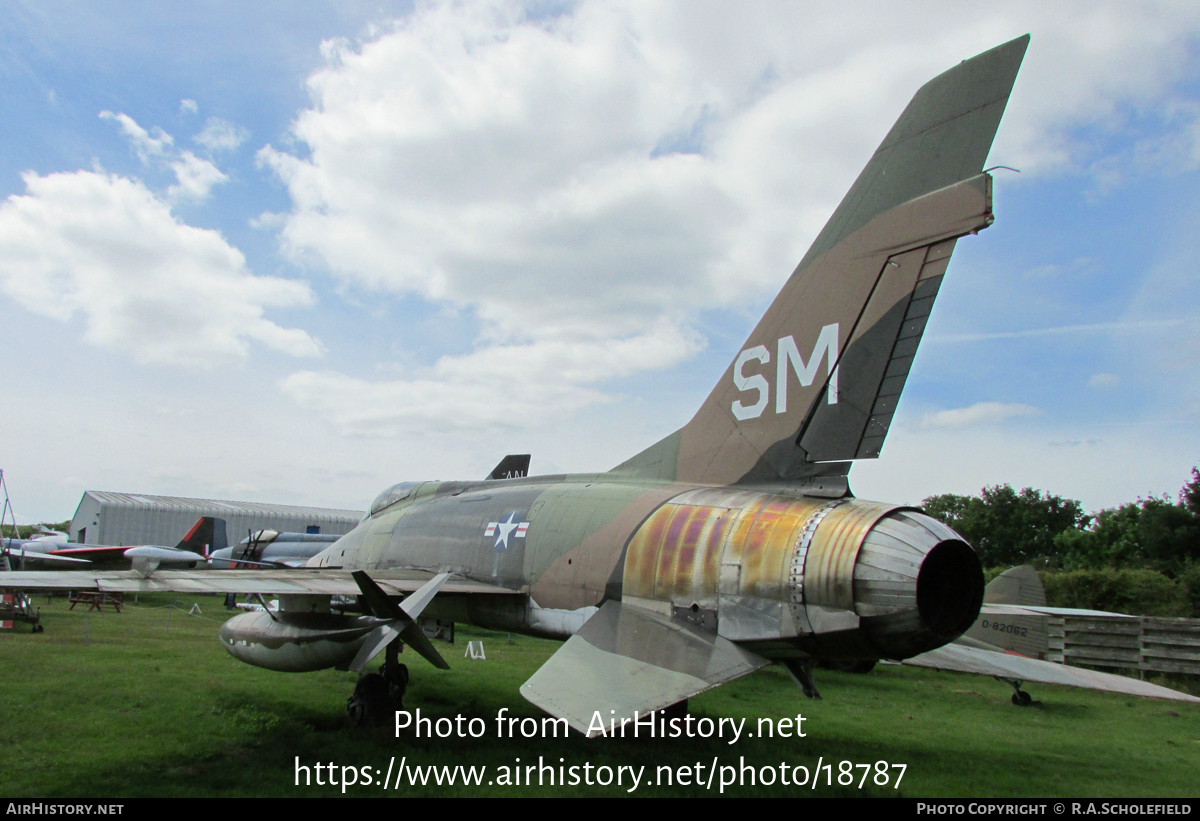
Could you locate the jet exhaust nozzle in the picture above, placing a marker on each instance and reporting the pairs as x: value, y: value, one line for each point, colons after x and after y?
x: 917, y: 584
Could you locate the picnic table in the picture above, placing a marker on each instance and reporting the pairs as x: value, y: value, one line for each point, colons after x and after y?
x: 97, y: 600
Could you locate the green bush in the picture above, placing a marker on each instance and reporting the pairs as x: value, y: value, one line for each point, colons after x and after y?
x: 1138, y: 592
x: 1151, y: 533
x: 1189, y: 583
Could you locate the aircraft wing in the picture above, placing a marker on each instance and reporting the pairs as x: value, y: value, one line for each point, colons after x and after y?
x: 48, y: 558
x: 1039, y: 610
x: 626, y: 659
x: 961, y: 658
x: 267, y: 582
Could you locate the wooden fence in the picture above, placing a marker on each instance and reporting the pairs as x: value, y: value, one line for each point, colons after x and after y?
x: 1137, y: 643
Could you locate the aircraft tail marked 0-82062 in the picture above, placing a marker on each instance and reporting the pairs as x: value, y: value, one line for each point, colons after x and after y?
x: 732, y: 543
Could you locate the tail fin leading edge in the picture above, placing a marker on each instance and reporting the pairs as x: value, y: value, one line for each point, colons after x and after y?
x: 816, y: 383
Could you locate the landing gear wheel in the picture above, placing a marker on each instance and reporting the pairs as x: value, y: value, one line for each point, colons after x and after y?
x: 1020, y: 698
x: 369, y: 704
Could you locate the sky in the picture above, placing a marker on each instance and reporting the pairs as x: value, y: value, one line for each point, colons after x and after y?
x: 295, y: 253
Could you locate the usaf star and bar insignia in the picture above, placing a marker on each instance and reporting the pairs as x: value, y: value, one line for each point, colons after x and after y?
x: 510, y: 527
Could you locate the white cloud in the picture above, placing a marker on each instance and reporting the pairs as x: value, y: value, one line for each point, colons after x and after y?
x: 195, y: 177
x: 981, y: 413
x: 1104, y: 380
x: 188, y: 106
x: 499, y: 386
x: 104, y: 247
x: 147, y: 144
x: 268, y: 221
x: 475, y: 156
x: 221, y: 135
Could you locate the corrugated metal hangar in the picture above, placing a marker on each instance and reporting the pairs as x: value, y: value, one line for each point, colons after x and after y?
x: 105, y: 518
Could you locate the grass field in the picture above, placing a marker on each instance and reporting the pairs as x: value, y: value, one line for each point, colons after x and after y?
x: 146, y: 703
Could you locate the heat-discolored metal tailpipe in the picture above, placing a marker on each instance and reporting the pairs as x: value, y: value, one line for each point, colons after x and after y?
x: 917, y: 584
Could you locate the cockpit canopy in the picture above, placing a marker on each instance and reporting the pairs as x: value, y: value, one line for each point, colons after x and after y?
x: 392, y: 495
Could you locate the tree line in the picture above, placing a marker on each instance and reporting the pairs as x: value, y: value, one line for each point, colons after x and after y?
x: 1140, y: 557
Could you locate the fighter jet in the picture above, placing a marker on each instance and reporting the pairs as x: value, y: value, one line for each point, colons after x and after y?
x: 731, y: 544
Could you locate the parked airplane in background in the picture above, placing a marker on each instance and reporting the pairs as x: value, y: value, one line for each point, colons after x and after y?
x: 1011, y: 639
x: 269, y: 548
x: 732, y: 543
x: 191, y: 551
x: 17, y: 553
x: 206, y: 535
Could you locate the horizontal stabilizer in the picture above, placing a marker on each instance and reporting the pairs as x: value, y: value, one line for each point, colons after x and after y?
x: 962, y: 659
x: 1028, y: 609
x: 626, y: 660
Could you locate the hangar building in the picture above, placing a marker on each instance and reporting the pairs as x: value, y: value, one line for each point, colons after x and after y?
x: 133, y: 518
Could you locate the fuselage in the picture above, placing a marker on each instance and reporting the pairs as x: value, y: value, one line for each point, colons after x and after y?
x: 785, y: 573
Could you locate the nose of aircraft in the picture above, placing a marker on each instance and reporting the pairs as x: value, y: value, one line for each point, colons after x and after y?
x: 917, y: 584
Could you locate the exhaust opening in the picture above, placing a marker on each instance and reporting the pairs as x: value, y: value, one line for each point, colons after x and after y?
x: 950, y: 589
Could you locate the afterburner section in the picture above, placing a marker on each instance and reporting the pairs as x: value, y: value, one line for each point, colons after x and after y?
x: 834, y: 579
x: 917, y: 584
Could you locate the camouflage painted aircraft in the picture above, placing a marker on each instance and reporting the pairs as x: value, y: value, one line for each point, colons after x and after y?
x: 732, y: 543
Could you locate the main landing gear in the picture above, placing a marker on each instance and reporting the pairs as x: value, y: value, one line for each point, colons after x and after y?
x: 378, y: 695
x: 801, y: 672
x: 1020, y: 698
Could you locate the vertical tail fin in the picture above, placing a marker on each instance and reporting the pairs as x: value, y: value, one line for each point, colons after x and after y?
x: 206, y: 536
x: 1017, y: 585
x: 816, y: 383
x: 512, y: 466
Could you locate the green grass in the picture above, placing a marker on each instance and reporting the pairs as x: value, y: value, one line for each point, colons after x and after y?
x: 146, y: 703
